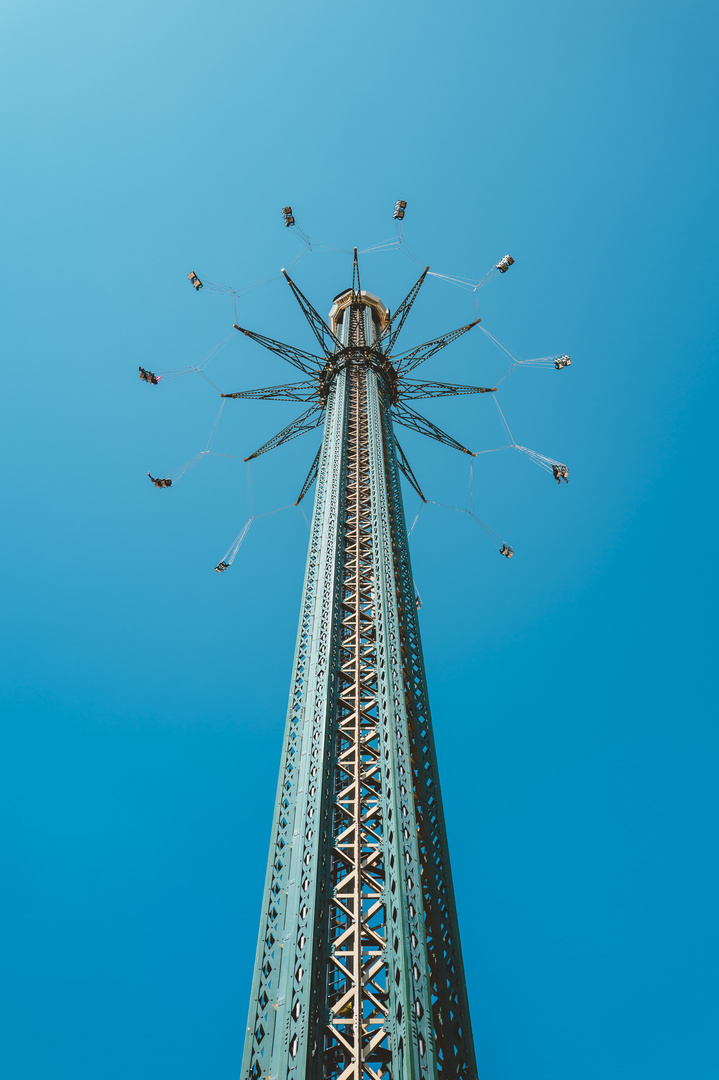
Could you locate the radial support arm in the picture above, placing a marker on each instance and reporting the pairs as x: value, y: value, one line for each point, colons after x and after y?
x: 306, y: 422
x: 409, y: 418
x: 307, y: 362
x: 327, y: 340
x: 311, y: 477
x: 398, y: 319
x: 299, y: 391
x: 407, y: 471
x: 411, y: 359
x: 415, y: 389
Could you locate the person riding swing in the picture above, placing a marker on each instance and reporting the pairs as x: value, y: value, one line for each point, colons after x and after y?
x: 160, y: 483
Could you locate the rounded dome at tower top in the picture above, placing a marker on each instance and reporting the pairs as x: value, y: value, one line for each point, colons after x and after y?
x: 380, y: 314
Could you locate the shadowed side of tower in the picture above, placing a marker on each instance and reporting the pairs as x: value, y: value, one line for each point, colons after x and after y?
x: 358, y: 970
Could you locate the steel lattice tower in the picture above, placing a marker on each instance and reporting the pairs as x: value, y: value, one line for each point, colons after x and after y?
x: 358, y: 970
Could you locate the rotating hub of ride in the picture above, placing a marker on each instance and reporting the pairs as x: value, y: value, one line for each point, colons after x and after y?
x: 361, y: 357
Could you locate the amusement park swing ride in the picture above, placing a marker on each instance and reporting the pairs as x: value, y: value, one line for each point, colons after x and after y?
x: 316, y: 367
x: 358, y: 972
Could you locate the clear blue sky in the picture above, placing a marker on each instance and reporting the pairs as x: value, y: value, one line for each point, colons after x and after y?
x: 144, y: 696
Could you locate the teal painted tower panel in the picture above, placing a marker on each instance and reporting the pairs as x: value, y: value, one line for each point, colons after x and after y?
x: 358, y: 970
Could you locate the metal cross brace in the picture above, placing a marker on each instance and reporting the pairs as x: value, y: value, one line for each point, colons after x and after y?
x: 414, y: 357
x: 300, y: 391
x: 305, y: 361
x: 408, y: 417
x: 402, y: 312
x: 306, y: 422
x: 415, y: 389
x: 319, y: 327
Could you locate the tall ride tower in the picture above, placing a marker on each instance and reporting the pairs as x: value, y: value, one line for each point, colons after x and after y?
x: 359, y: 970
